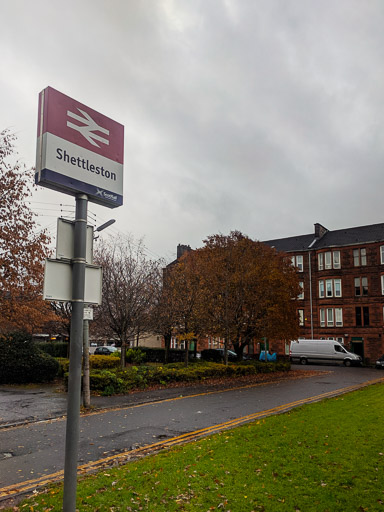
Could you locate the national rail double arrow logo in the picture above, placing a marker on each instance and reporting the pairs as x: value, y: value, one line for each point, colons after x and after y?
x: 88, y: 127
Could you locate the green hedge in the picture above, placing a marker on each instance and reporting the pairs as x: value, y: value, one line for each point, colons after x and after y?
x: 103, y: 362
x: 110, y: 381
x: 157, y: 355
x: 21, y: 361
x: 54, y: 348
x: 95, y: 363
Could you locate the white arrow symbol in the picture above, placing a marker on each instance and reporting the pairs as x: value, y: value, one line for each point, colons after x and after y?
x: 89, y: 126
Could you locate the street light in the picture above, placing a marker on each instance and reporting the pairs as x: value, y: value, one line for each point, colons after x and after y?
x: 105, y: 225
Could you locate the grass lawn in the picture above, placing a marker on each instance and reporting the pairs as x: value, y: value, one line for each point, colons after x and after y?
x: 327, y: 456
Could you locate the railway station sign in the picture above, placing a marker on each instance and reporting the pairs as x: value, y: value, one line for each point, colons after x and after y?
x: 79, y: 150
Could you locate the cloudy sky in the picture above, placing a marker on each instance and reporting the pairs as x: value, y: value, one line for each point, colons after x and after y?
x: 264, y: 116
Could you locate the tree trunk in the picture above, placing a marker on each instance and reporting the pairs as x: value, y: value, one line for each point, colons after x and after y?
x: 186, y: 352
x: 123, y: 351
x: 167, y: 344
x: 86, y: 379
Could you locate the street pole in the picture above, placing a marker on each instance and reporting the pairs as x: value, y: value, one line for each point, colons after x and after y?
x: 76, y: 341
x: 86, y: 390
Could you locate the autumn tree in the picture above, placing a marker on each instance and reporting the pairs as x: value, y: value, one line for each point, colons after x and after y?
x: 129, y: 287
x: 163, y: 317
x: 246, y: 291
x: 23, y: 248
x: 182, y: 289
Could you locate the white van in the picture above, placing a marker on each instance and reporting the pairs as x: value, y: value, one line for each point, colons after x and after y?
x: 321, y: 351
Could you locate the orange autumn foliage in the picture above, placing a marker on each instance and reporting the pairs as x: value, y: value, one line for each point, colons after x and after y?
x: 22, y: 248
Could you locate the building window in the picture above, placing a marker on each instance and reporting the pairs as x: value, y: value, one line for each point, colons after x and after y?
x: 336, y: 259
x: 361, y: 286
x: 320, y: 261
x: 301, y: 317
x: 362, y: 316
x: 332, y: 288
x: 330, y: 317
x: 297, y: 261
x: 382, y: 284
x: 328, y: 260
x: 382, y: 254
x: 322, y: 317
x: 339, y: 317
x: 301, y: 294
x: 359, y: 257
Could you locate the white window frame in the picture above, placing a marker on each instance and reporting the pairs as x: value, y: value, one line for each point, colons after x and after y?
x: 322, y: 317
x: 382, y: 254
x: 300, y: 263
x: 322, y: 289
x: 331, y: 288
x: 338, y: 317
x: 301, y: 294
x: 382, y: 285
x: 301, y: 317
x: 320, y: 261
x: 336, y: 259
x: 337, y: 287
x: 328, y: 260
x: 330, y: 317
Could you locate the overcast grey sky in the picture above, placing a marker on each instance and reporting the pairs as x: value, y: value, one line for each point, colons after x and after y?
x: 264, y: 116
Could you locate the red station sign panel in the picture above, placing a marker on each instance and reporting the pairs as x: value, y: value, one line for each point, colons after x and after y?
x: 79, y: 150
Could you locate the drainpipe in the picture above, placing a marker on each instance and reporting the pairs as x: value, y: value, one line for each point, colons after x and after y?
x: 310, y: 292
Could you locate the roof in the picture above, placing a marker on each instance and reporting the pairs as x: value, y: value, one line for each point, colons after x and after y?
x: 337, y: 238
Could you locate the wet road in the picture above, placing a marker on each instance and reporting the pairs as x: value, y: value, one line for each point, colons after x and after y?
x: 32, y: 452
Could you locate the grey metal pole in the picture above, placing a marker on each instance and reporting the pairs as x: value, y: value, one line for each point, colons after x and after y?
x: 86, y: 390
x: 76, y: 344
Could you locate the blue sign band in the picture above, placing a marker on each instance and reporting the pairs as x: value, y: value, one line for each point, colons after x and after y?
x: 56, y: 181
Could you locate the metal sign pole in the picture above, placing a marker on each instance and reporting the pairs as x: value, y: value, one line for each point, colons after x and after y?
x: 76, y: 344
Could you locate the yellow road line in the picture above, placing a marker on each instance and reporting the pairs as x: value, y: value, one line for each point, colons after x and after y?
x: 29, y: 485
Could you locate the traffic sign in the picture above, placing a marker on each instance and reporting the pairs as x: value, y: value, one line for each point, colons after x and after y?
x: 65, y: 241
x: 58, y: 284
x: 79, y: 150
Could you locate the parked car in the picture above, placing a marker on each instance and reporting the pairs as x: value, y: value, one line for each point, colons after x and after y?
x: 105, y: 351
x: 380, y: 363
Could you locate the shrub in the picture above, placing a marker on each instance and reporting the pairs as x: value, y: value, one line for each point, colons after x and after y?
x: 121, y: 381
x: 135, y: 356
x: 63, y: 366
x: 106, y: 382
x: 22, y: 362
x: 54, y: 348
x: 157, y: 355
x: 104, y: 362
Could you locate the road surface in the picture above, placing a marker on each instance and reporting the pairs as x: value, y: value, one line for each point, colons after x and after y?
x: 32, y: 455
